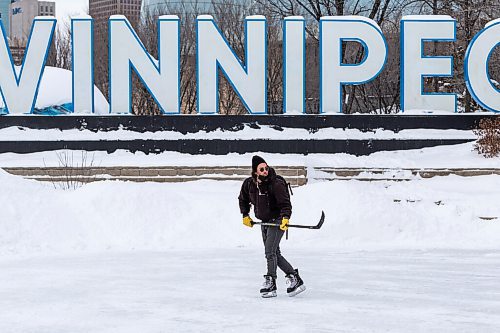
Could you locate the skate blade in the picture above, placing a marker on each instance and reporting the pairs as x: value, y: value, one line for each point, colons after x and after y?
x: 297, y: 291
x: 269, y: 294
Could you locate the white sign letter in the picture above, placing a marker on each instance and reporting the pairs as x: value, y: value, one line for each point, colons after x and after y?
x: 161, y: 78
x: 415, y: 30
x: 19, y: 88
x: 83, y: 65
x: 476, y: 67
x: 333, y: 31
x: 249, y: 81
x: 294, y: 42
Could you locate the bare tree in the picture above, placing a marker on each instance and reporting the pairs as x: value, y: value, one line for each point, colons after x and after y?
x: 60, y: 50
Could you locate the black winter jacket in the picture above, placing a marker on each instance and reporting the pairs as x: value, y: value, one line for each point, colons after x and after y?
x: 270, y: 198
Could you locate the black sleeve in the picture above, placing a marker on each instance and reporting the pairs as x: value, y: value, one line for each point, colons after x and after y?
x: 282, y: 198
x: 244, y: 198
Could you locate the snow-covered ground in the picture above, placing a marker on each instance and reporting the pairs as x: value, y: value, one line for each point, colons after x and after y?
x: 418, y: 256
x: 456, y: 156
x: 441, y: 212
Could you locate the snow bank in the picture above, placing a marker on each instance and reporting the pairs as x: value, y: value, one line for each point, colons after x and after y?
x: 56, y: 88
x: 442, y: 212
x: 264, y: 132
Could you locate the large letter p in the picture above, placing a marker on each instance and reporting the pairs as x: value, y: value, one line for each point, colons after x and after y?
x: 333, y: 31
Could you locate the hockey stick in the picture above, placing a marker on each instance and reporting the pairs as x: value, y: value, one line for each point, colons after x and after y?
x: 275, y: 224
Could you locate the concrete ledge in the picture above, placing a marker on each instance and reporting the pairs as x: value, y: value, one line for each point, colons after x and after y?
x: 327, y: 173
x: 295, y: 175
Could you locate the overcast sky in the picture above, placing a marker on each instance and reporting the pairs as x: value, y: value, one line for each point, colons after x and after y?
x: 64, y: 8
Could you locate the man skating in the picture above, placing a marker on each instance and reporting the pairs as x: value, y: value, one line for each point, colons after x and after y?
x: 269, y: 195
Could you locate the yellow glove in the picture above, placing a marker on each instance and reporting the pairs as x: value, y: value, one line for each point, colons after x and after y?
x: 247, y: 220
x: 284, y: 224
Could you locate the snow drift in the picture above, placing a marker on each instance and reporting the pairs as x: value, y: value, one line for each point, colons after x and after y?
x: 442, y: 212
x: 56, y: 89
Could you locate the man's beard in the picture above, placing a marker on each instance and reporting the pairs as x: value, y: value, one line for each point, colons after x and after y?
x: 262, y: 177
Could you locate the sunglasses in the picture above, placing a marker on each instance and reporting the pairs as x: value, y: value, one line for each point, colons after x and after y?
x: 264, y: 169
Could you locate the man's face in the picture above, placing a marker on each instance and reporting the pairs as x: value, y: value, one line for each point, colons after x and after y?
x: 262, y: 170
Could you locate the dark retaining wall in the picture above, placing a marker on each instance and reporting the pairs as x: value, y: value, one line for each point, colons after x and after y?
x: 223, y: 147
x: 195, y: 123
x: 208, y: 123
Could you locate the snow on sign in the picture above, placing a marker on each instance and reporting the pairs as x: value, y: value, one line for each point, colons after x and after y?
x: 19, y: 87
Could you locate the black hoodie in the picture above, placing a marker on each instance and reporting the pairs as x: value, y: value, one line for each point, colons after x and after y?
x: 270, y: 198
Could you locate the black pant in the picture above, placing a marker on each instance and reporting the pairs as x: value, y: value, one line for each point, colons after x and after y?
x: 272, y: 237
